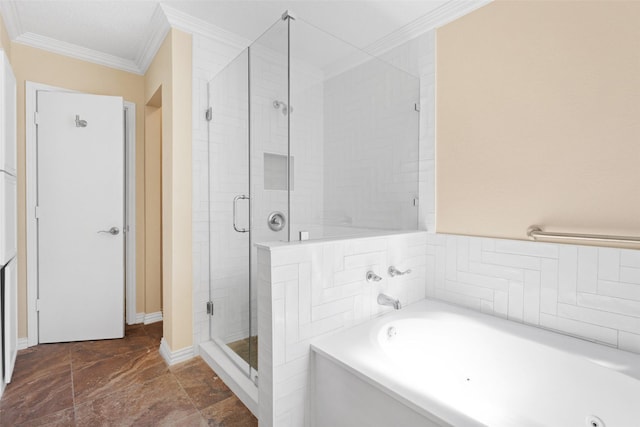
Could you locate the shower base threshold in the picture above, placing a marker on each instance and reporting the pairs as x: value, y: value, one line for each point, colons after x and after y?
x: 232, y: 376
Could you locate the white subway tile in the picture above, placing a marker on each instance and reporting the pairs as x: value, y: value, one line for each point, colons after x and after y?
x: 364, y: 260
x: 620, y: 290
x: 516, y: 301
x: 498, y: 271
x: 531, y: 311
x: 459, y: 299
x: 501, y: 303
x: 485, y: 281
x: 587, y: 269
x: 470, y: 290
x: 628, y: 341
x: 598, y: 317
x: 568, y: 274
x: 475, y: 250
x: 580, y: 329
x: 462, y: 261
x: 535, y: 249
x: 549, y: 286
x: 509, y: 260
x: 630, y: 275
x: 610, y: 304
x: 284, y: 273
x: 451, y: 258
x: 609, y: 264
x: 630, y: 258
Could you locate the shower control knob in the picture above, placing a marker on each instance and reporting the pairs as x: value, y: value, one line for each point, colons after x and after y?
x: 276, y: 221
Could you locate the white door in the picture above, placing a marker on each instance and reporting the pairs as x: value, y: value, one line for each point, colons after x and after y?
x: 80, y: 217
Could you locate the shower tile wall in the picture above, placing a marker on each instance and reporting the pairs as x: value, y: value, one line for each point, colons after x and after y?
x: 371, y: 158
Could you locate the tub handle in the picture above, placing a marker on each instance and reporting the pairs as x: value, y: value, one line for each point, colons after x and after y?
x: 373, y: 277
x: 395, y: 272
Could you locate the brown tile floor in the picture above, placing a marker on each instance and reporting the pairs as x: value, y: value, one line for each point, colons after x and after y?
x: 121, y: 382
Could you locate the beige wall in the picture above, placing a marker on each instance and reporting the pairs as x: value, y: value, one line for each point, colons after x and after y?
x: 538, y: 119
x: 153, y: 212
x: 30, y: 64
x: 170, y: 71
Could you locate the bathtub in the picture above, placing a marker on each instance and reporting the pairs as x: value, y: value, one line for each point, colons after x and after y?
x: 434, y: 364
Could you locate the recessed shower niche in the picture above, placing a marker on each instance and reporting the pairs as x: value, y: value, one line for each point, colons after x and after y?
x: 276, y: 168
x: 349, y: 121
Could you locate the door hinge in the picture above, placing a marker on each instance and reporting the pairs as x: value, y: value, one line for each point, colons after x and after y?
x: 35, y: 118
x: 209, y: 114
x: 36, y: 212
x: 210, y: 308
x: 416, y: 107
x: 38, y: 305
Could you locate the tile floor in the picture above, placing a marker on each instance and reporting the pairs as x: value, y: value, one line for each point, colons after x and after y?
x: 121, y: 382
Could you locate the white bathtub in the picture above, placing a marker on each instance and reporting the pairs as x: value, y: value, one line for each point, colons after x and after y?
x: 433, y: 364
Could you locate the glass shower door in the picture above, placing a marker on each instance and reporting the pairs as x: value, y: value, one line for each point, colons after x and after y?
x: 249, y: 185
x: 229, y: 207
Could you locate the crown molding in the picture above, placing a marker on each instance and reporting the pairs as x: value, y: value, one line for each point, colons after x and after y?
x: 450, y: 11
x: 78, y: 52
x: 190, y: 24
x: 157, y: 29
x: 11, y: 18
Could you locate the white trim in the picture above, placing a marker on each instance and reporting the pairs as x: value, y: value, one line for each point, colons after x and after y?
x: 231, y: 375
x: 11, y: 18
x: 130, y: 214
x: 78, y: 52
x: 438, y: 17
x: 190, y: 24
x: 152, y: 317
x: 173, y: 357
x: 23, y: 343
x: 139, y: 318
x: 157, y: 30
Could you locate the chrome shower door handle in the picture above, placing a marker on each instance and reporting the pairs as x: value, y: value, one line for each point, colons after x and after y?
x: 114, y: 231
x: 235, y: 203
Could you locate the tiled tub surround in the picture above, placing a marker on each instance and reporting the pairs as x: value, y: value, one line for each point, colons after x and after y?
x: 586, y: 291
x: 316, y: 288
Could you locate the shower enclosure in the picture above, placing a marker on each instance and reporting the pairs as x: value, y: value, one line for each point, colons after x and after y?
x: 309, y: 138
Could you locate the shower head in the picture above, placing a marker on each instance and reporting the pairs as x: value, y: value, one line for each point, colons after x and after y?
x: 285, y: 108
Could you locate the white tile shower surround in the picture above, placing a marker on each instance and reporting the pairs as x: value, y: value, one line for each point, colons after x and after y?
x: 311, y: 289
x: 586, y: 291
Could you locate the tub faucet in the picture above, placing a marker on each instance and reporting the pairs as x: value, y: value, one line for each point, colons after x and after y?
x: 387, y: 300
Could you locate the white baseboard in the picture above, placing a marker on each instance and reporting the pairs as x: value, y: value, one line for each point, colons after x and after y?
x: 23, y: 343
x: 152, y: 317
x: 173, y: 357
x: 139, y: 318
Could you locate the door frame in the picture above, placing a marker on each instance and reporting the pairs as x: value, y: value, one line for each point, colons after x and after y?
x: 31, y: 93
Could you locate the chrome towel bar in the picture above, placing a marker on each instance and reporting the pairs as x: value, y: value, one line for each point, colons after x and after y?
x: 535, y: 232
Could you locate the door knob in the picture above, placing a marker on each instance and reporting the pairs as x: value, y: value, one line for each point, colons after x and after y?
x: 113, y: 231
